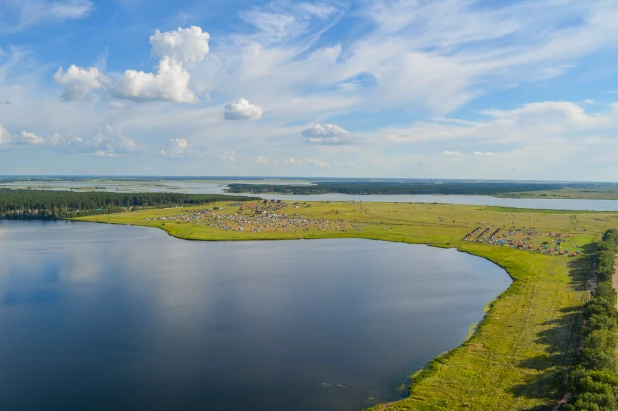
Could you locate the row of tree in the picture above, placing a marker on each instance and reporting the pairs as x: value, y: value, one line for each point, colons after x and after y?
x: 594, y: 379
x: 461, y: 188
x: 45, y: 204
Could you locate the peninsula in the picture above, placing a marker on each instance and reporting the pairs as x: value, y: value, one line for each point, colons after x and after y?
x: 524, y: 354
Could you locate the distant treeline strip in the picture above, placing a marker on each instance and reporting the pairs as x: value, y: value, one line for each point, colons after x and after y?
x: 594, y: 382
x: 45, y: 204
x: 393, y: 188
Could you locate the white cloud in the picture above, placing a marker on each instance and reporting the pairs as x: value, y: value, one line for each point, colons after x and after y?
x: 448, y: 153
x: 280, y: 21
x: 241, y: 109
x: 528, y: 124
x: 228, y: 156
x: 264, y: 160
x: 4, y: 136
x: 29, y: 138
x: 325, y: 130
x: 480, y: 153
x: 428, y: 58
x: 78, y: 82
x: 109, y: 142
x: 117, y: 105
x: 292, y: 161
x: 176, y: 148
x: 182, y: 46
x: 17, y: 15
x: 325, y: 134
x: 316, y: 162
x: 171, y: 82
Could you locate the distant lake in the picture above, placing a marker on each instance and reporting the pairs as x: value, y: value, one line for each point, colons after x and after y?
x: 218, y: 186
x: 103, y: 317
x: 534, y: 203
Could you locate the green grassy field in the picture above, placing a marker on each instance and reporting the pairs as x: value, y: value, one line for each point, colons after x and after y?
x: 597, y: 193
x: 519, y: 356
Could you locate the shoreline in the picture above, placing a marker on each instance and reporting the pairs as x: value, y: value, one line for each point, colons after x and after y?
x: 416, y: 375
x: 505, y: 196
x: 543, y: 287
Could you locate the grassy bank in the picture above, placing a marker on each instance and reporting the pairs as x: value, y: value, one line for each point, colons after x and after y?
x: 589, y: 193
x: 519, y: 357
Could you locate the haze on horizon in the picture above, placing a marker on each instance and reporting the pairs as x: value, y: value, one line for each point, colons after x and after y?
x: 523, y: 90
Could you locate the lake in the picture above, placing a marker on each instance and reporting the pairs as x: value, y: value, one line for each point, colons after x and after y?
x: 104, y: 317
x: 534, y: 203
x: 218, y: 187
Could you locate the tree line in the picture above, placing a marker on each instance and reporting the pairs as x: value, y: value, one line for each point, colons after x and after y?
x: 594, y: 381
x: 366, y: 188
x: 45, y: 204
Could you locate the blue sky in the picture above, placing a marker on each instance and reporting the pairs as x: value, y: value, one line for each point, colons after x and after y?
x: 368, y: 88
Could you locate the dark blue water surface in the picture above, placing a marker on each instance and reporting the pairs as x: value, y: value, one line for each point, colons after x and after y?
x: 101, y: 317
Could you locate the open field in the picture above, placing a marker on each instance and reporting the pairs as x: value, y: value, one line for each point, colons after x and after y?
x: 572, y: 193
x: 518, y: 358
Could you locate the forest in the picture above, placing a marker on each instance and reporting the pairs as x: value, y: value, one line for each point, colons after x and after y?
x: 594, y: 382
x: 45, y: 204
x: 467, y: 188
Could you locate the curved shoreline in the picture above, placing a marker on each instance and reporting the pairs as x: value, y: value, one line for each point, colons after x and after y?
x: 514, y: 346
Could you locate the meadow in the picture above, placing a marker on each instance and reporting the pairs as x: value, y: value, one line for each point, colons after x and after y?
x: 519, y: 356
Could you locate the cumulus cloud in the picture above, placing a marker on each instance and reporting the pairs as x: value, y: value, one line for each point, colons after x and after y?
x: 170, y: 80
x: 316, y: 162
x: 182, y: 46
x: 30, y: 138
x: 448, y: 153
x: 326, y: 134
x: 480, y: 153
x: 241, y: 109
x: 228, y: 156
x: 292, y: 161
x: 78, y: 82
x: 176, y: 148
x: 109, y: 142
x: 4, y: 136
x: 264, y: 160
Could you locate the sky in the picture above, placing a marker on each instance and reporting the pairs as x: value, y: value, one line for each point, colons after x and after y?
x: 489, y: 89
